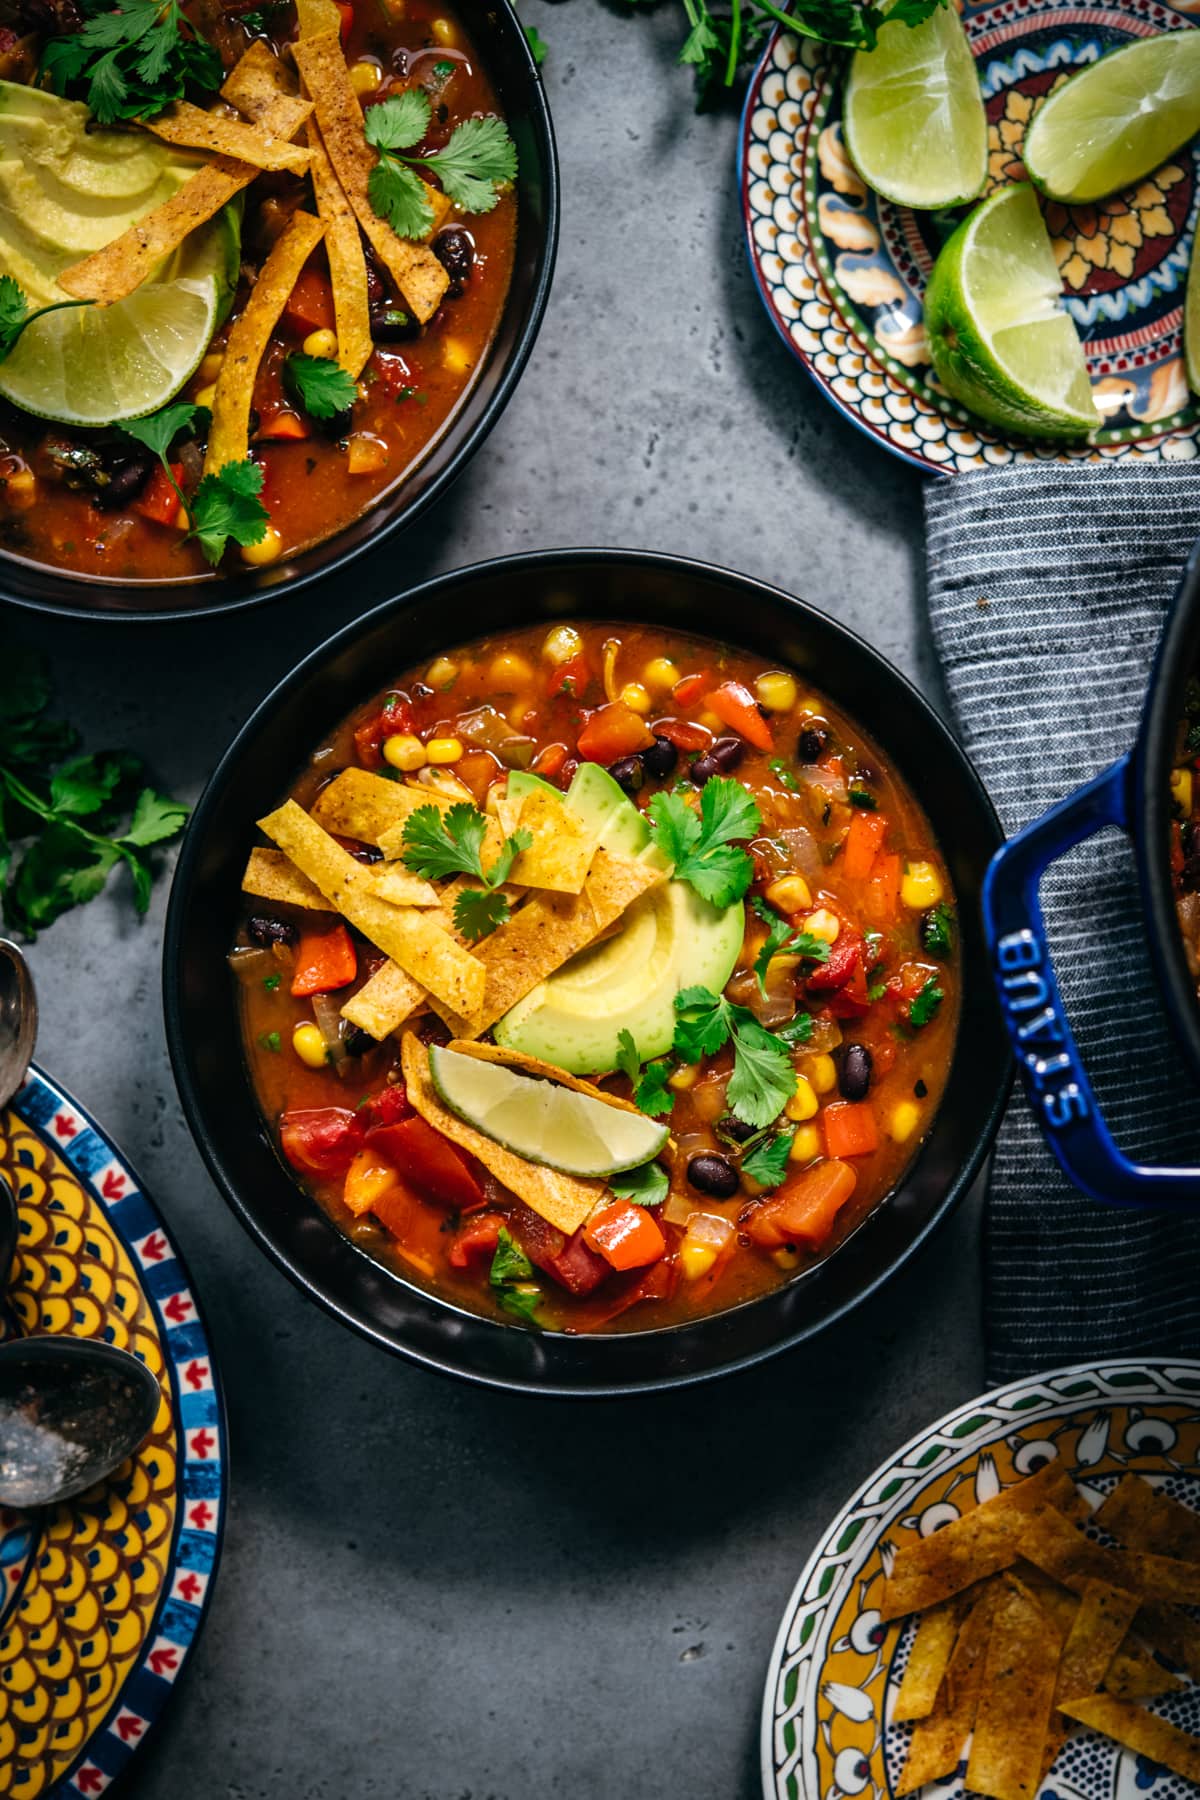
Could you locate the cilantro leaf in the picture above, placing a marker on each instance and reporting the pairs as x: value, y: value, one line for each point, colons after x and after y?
x: 701, y: 848
x: 781, y: 939
x: 650, y: 1092
x: 135, y: 58
x: 399, y: 196
x: 926, y: 1003
x: 478, y: 159
x: 645, y: 1186
x: 471, y: 167
x: 15, y: 314
x: 782, y: 773
x: 227, y: 505
x: 763, y: 1079
x: 937, y: 931
x: 398, y: 123
x: 703, y: 1022
x: 537, y: 44
x: 510, y: 1279
x: 863, y: 799
x: 83, y: 785
x: 159, y: 431
x: 322, y: 388
x: 510, y: 849
x: 797, y: 1030
x: 478, y: 911
x: 768, y: 1163
x: 156, y: 817
x: 522, y: 1300
x: 437, y: 844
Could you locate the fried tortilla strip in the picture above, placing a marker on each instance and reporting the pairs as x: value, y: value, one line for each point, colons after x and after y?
x: 1054, y: 1544
x: 357, y: 804
x: 981, y: 1543
x: 928, y: 1661
x: 249, y: 335
x: 383, y: 1003
x: 1139, y: 1730
x: 391, y: 841
x: 264, y: 90
x: 400, y: 887
x: 194, y: 129
x: 1145, y: 1519
x: 347, y: 263
x: 270, y: 875
x: 564, y: 1200
x: 418, y: 942
x: 562, y: 849
x: 1133, y: 1674
x: 416, y: 271
x: 938, y: 1740
x: 316, y: 17
x: 1015, y: 1701
x: 1100, y: 1625
x: 1173, y: 1634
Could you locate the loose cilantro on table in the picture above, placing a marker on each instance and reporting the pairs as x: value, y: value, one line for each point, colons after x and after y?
x: 768, y: 1163
x: 937, y: 930
x: 227, y: 505
x: 320, y: 386
x: 134, y: 59
x: 781, y: 940
x: 537, y: 44
x: 510, y: 1279
x: 478, y: 158
x: 763, y: 1080
x: 702, y: 848
x: 645, y: 1186
x: 438, y: 844
x: 650, y: 1092
x: 66, y: 824
x: 15, y: 313
x: 925, y: 1004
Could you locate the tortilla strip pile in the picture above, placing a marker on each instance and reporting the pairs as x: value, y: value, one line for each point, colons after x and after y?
x: 193, y: 129
x: 1027, y: 1625
x: 347, y: 261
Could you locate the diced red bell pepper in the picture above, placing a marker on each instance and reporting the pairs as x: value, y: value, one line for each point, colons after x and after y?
x: 387, y: 1107
x: 863, y: 841
x: 691, y: 688
x: 683, y: 733
x: 431, y: 1162
x: 310, y: 304
x: 804, y: 1209
x: 626, y: 1235
x: 845, y: 955
x: 577, y: 1266
x: 850, y: 1128
x: 736, y: 707
x: 477, y: 1238
x: 613, y: 731
x: 394, y: 719
x: 321, y: 1140
x: 325, y: 961
x: 570, y: 677
x: 549, y: 762
x: 158, y: 500
x: 851, y: 1002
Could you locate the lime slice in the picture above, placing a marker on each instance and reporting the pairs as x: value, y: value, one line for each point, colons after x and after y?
x: 1191, y: 322
x: 540, y: 1120
x: 97, y: 365
x: 1118, y: 120
x: 913, y: 115
x: 999, y: 340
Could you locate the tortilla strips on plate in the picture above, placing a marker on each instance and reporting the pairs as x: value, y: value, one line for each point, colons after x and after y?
x: 981, y: 1543
x: 1102, y: 1620
x: 564, y: 1200
x: 1172, y: 1633
x: 1056, y: 1546
x: 927, y: 1661
x: 1013, y: 1715
x: 229, y: 434
x: 562, y: 849
x: 384, y: 1002
x: 1141, y: 1731
x: 1134, y: 1675
x: 194, y: 129
x: 411, y: 938
x: 264, y: 90
x: 938, y: 1740
x: 415, y: 269
x: 1146, y: 1519
x: 347, y: 263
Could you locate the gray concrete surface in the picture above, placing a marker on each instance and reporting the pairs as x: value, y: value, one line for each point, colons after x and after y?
x: 428, y: 1592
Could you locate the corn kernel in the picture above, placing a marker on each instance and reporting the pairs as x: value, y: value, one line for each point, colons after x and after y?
x: 1181, y: 790
x: 321, y: 343
x: 684, y: 1077
x: 205, y: 396
x: 267, y: 550
x: 458, y: 358
x: 309, y: 1046
x: 660, y: 672
x: 806, y: 1144
x: 404, y: 752
x: 920, y: 886
x: 445, y: 33
x: 509, y: 671
x: 776, y: 691
x: 210, y: 368
x: 903, y: 1122
x: 710, y: 722
x: 443, y: 750
x: 823, y: 924
x: 803, y: 1103
x: 441, y: 673
x: 561, y: 643
x: 695, y: 1259
x: 636, y: 697
x: 822, y: 1072
x: 813, y: 706
x: 19, y: 490
x: 787, y: 1260
x: 791, y: 894
x: 365, y: 77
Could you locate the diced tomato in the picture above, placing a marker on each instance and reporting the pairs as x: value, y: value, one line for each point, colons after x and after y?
x: 284, y: 427
x: 803, y: 1210
x: 321, y: 1140
x: 394, y: 719
x: 658, y: 1282
x: 683, y: 733
x: 431, y: 1162
x: 158, y: 500
x: 690, y: 689
x: 613, y: 731
x: 310, y: 304
x: 577, y: 1266
x: 477, y: 1238
x: 548, y: 762
x: 570, y: 677
x: 388, y: 1106
x: 325, y: 961
x: 851, y: 1002
x: 626, y: 1235
x: 863, y: 841
x: 845, y: 955
x: 736, y: 707
x: 850, y: 1128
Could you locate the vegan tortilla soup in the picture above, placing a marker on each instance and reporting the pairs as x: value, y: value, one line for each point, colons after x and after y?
x: 598, y: 978
x: 242, y: 290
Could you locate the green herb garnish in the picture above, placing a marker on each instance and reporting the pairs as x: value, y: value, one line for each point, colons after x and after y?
x: 510, y: 1279
x: 270, y: 1040
x: 15, y: 314
x: 763, y: 1080
x: 937, y: 931
x: 135, y: 59
x: 925, y: 1004
x: 702, y: 848
x: 645, y: 1186
x: 271, y: 982
x: 537, y: 44
x: 227, y: 505
x: 479, y: 157
x: 782, y: 773
x: 650, y: 1091
x: 781, y: 940
x: 319, y: 385
x: 768, y: 1163
x: 437, y: 844
x: 159, y: 432
x: 863, y: 799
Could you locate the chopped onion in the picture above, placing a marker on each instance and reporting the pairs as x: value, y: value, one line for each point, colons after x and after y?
x: 328, y: 1014
x: 710, y: 1229
x: 252, y: 964
x: 678, y: 1209
x: 833, y: 787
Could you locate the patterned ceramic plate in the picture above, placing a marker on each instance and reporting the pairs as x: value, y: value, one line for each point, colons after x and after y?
x: 843, y: 273
x: 827, y: 1730
x: 101, y: 1599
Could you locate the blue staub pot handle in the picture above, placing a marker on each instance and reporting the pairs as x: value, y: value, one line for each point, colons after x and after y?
x: 1055, y: 1079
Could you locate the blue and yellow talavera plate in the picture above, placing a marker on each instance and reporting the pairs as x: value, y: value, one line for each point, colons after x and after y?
x: 101, y: 1599
x: 842, y: 272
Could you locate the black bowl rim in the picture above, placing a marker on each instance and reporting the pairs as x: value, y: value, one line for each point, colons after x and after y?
x: 236, y: 596
x: 513, y: 566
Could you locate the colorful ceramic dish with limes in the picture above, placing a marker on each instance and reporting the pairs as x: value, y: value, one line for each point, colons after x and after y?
x: 597, y: 978
x: 251, y: 259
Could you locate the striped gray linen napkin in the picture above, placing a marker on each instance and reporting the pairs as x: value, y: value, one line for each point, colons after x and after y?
x: 1048, y: 584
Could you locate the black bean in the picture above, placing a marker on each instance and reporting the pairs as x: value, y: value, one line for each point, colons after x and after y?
x: 713, y: 1174
x: 358, y: 1042
x: 126, y: 477
x: 854, y: 1075
x: 727, y: 753
x: 811, y: 744
x: 703, y: 769
x: 339, y: 426
x: 737, y: 1129
x: 391, y: 324
x: 266, y: 931
x: 660, y: 759
x: 628, y: 773
x: 363, y: 853
x: 455, y: 250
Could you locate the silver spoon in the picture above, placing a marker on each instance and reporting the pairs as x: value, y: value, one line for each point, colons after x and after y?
x: 71, y: 1410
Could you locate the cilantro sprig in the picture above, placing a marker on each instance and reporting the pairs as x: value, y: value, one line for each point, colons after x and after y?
x: 510, y: 1279
x: 472, y: 166
x: 67, y: 821
x: 763, y: 1079
x: 320, y: 386
x: 702, y: 847
x: 781, y: 940
x: 225, y: 505
x: 925, y: 1004
x: 437, y: 845
x: 767, y: 1163
x: 16, y: 313
x: 133, y: 59
x: 937, y: 930
x: 650, y: 1091
x: 646, y: 1185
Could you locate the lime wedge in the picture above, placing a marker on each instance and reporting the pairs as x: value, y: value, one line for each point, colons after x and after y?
x: 913, y: 115
x: 999, y: 340
x: 1191, y: 322
x: 1118, y: 120
x: 97, y: 365
x: 540, y: 1120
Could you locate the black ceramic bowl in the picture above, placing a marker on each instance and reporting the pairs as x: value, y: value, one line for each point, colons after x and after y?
x: 201, y: 1008
x: 523, y: 100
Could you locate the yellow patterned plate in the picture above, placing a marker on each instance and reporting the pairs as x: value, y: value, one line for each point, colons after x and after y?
x: 827, y: 1729
x: 101, y: 1599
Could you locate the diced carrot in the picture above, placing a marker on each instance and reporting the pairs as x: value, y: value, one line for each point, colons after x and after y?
x: 625, y: 1235
x: 883, y: 891
x: 549, y: 761
x: 804, y: 1209
x: 736, y: 707
x: 686, y: 692
x: 324, y: 960
x: 863, y: 840
x: 368, y: 1176
x: 366, y: 454
x: 613, y: 731
x: 285, y: 427
x: 310, y: 303
x: 850, y: 1128
x: 158, y: 500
